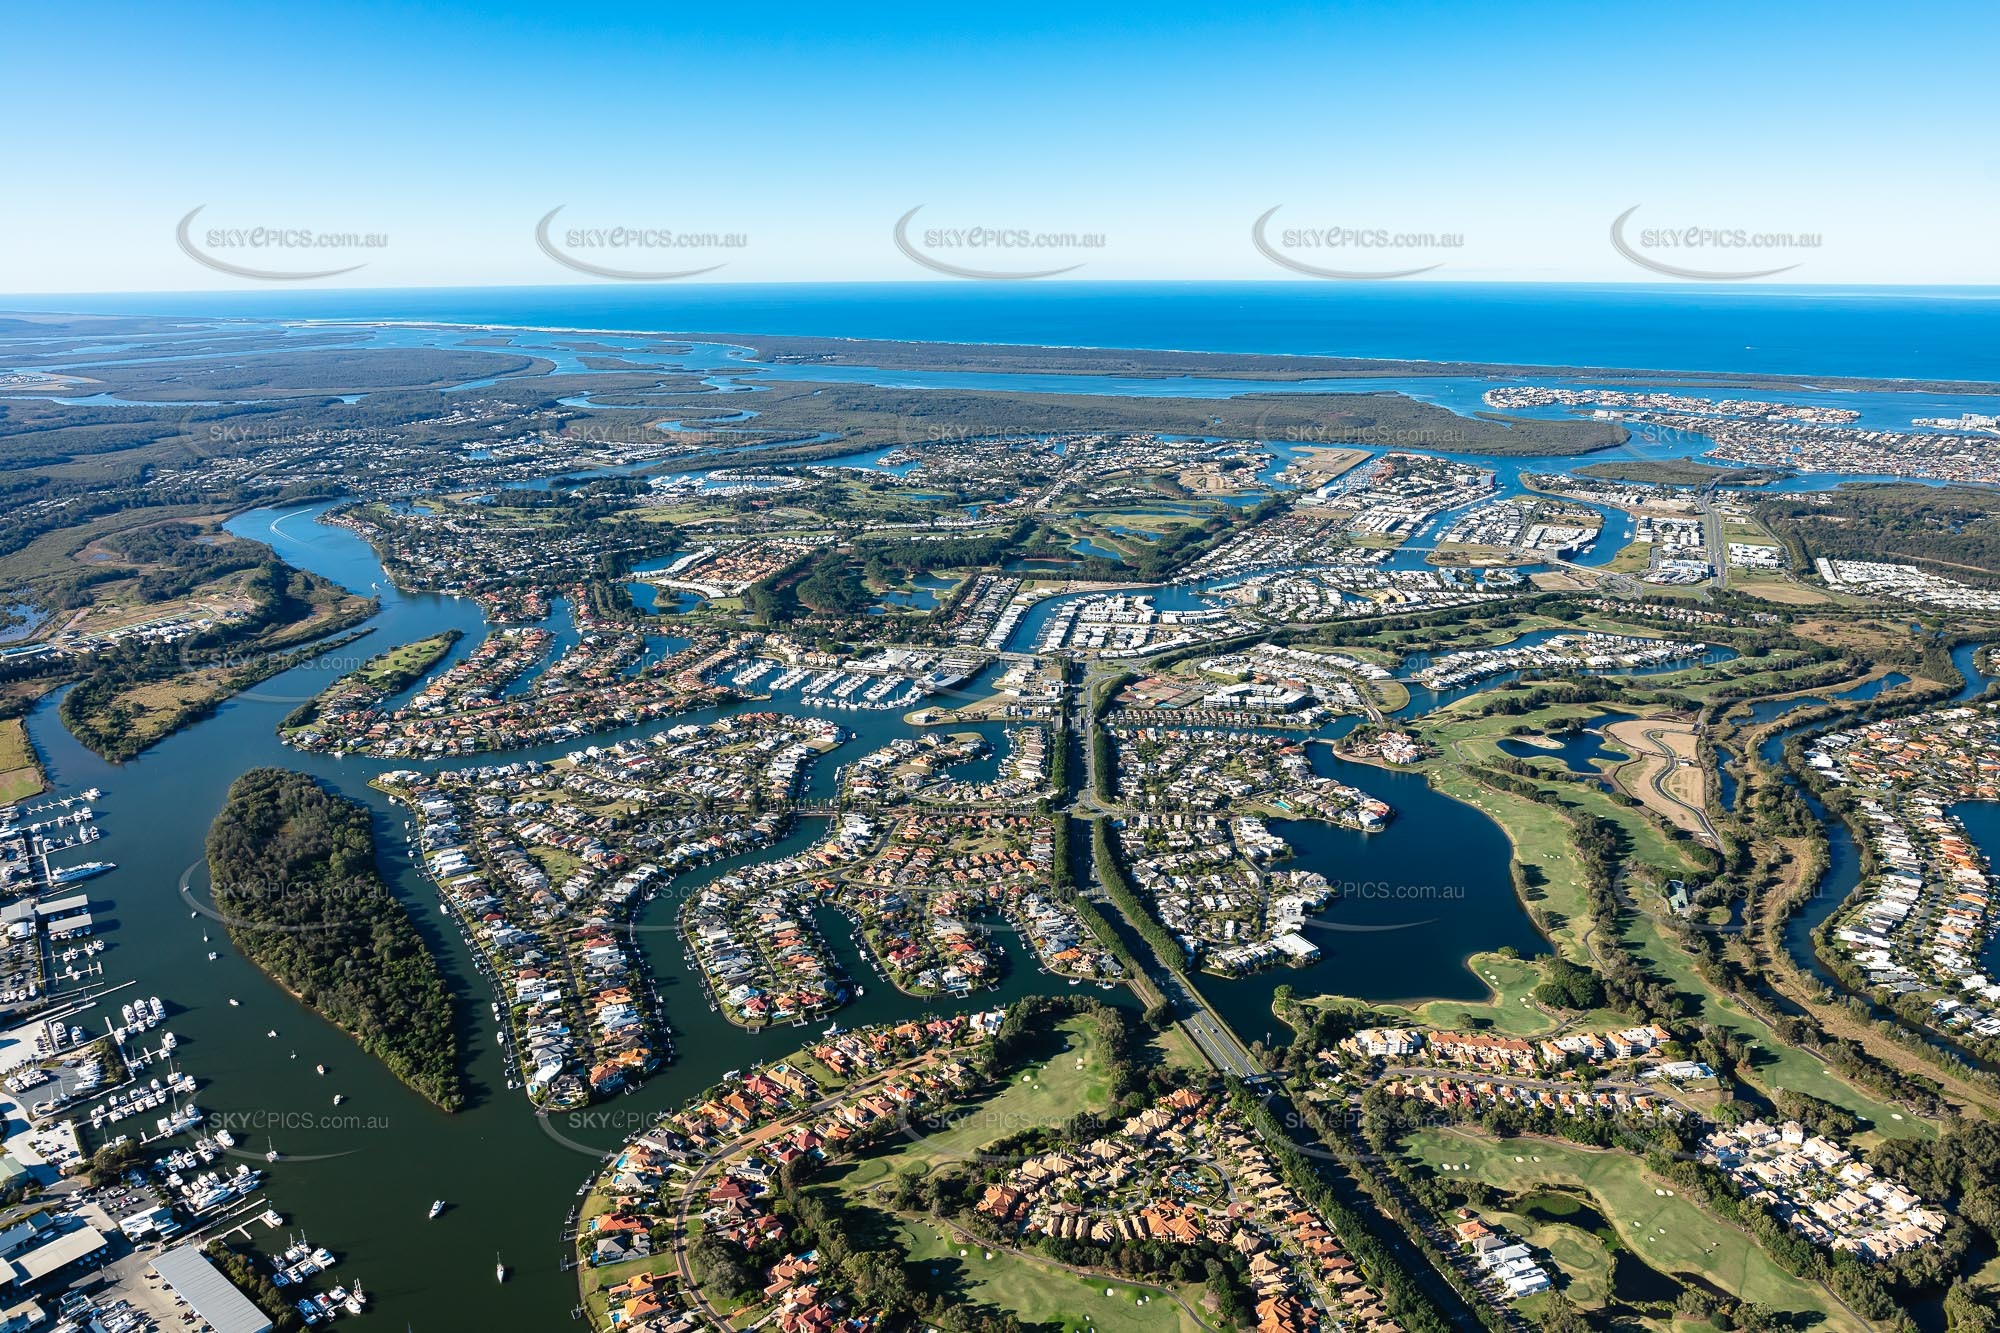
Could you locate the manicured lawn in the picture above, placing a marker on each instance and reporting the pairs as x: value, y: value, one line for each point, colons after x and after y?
x: 1390, y: 695
x: 1176, y: 1050
x: 1777, y: 588
x: 1541, y: 840
x: 594, y: 1281
x: 1648, y: 842
x: 20, y: 776
x: 1038, y: 1292
x: 827, y: 1080
x: 1773, y: 1065
x: 1987, y: 1275
x: 1139, y: 520
x: 1041, y: 1093
x: 1633, y: 559
x: 405, y: 661
x: 1476, y: 740
x: 1785, y: 676
x: 1580, y: 1255
x: 1511, y: 979
x: 1668, y: 1231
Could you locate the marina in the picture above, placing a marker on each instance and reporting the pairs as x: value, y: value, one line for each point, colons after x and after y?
x: 224, y: 1004
x: 223, y: 1008
x: 266, y: 1064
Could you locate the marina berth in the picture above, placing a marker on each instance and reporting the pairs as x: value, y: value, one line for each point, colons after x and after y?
x: 1082, y: 782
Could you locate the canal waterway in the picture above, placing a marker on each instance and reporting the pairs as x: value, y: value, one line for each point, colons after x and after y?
x: 1843, y: 869
x: 1418, y: 899
x: 1415, y: 901
x: 360, y: 1177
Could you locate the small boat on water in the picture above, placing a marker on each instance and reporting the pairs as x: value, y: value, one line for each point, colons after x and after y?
x: 233, y: 1003
x: 499, y: 1270
x: 437, y: 1206
x: 271, y: 1151
x: 320, y: 1068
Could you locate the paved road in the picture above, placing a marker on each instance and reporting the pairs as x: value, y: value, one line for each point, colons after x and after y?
x: 692, y: 1194
x: 1218, y: 1044
x: 1658, y: 782
x: 1712, y: 535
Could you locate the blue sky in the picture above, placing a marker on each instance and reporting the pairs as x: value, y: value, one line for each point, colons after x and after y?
x: 1519, y: 132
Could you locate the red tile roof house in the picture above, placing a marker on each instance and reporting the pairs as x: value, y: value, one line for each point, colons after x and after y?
x: 618, y: 1224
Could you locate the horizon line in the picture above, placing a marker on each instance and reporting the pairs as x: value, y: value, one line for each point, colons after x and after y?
x: 941, y: 284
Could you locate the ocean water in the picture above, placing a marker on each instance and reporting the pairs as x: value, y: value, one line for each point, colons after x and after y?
x: 1928, y: 332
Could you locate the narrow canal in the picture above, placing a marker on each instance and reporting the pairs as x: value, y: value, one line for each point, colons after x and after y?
x: 1843, y: 868
x: 1418, y: 898
x: 359, y: 1178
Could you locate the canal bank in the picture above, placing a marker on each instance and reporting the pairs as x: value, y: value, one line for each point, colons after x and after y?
x: 360, y: 1177
x: 1415, y: 900
x: 1842, y: 872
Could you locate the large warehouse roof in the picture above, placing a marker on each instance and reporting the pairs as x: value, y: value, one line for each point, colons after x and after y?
x: 213, y: 1296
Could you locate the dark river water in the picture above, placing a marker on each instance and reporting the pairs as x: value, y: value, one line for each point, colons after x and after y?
x: 1416, y: 899
x: 1843, y: 869
x: 359, y: 1178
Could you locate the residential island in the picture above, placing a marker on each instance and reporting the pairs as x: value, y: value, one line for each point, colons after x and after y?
x: 972, y: 858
